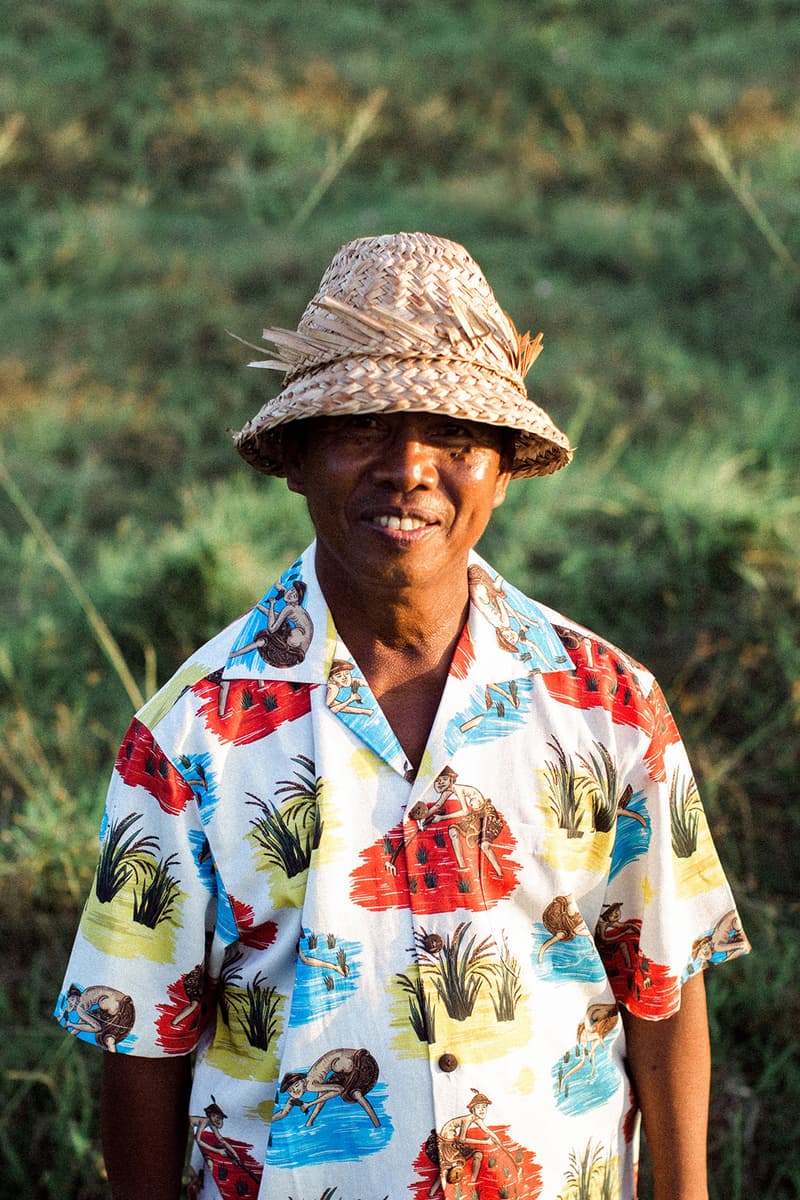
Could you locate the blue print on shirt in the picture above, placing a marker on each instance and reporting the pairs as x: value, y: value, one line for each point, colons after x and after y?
x: 196, y: 769
x: 227, y: 929
x: 634, y: 831
x: 341, y: 1132
x: 328, y: 971
x: 581, y: 1082
x: 203, y: 861
x: 566, y: 962
x: 494, y: 711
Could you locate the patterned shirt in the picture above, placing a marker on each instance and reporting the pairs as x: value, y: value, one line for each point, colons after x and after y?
x: 400, y: 985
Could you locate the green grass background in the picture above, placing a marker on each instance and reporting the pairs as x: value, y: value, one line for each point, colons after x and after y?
x: 628, y: 175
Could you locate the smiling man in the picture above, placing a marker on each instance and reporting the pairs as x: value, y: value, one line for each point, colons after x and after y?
x: 409, y: 868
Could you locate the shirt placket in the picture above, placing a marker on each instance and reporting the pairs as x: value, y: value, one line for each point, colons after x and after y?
x: 432, y: 933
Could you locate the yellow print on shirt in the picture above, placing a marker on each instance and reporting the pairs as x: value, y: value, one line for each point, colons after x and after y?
x: 134, y: 908
x: 286, y: 832
x: 251, y: 1020
x: 578, y: 800
x: 459, y: 992
x: 696, y: 866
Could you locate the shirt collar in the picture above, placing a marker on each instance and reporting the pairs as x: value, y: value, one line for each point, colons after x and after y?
x: 290, y: 634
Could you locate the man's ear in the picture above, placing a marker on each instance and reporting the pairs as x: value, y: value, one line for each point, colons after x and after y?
x: 293, y: 460
x: 503, y: 480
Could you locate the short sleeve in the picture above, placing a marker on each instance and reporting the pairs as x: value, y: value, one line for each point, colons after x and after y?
x: 136, y: 980
x: 668, y: 911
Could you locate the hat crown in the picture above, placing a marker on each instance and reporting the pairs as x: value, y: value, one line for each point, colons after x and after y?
x: 409, y: 272
x: 399, y: 296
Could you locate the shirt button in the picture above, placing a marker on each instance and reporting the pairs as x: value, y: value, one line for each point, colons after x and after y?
x: 448, y: 1062
x: 432, y: 943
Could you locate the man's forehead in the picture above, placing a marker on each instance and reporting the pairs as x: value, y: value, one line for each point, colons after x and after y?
x: 411, y: 422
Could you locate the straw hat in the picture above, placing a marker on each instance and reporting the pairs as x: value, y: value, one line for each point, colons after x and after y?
x: 404, y: 321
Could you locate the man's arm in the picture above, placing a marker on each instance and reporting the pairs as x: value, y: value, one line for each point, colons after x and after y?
x: 144, y: 1125
x: 670, y: 1063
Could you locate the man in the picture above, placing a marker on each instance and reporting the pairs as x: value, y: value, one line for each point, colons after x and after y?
x: 273, y: 799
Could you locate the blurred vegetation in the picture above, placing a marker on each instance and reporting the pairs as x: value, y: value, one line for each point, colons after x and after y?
x: 628, y: 176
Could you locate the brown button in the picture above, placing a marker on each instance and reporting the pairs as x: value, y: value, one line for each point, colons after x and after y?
x: 432, y: 943
x: 448, y: 1062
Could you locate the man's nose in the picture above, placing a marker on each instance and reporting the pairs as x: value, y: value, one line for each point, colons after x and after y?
x: 407, y: 462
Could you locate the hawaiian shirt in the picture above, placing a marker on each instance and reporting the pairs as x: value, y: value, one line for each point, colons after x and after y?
x: 400, y: 985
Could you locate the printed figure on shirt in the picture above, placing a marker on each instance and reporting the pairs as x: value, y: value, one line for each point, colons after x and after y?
x: 587, y: 1075
x: 103, y: 1013
x: 511, y: 626
x: 646, y: 987
x: 179, y: 1021
x: 341, y: 1106
x: 455, y: 852
x: 231, y: 1163
x: 342, y: 692
x: 467, y: 1156
x: 472, y: 818
x: 346, y: 1074
x: 563, y: 945
x: 289, y: 629
x: 725, y: 941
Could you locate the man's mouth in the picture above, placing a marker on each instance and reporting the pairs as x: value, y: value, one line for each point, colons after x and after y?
x: 405, y: 524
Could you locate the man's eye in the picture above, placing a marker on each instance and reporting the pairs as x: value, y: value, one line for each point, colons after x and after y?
x: 452, y: 431
x: 363, y: 423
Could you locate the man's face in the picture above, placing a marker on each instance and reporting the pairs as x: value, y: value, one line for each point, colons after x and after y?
x: 397, y: 499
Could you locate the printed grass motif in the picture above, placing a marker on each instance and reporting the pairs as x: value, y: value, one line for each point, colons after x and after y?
x: 259, y: 1013
x: 421, y: 1011
x: 506, y: 990
x: 121, y: 857
x: 229, y: 976
x: 605, y: 788
x: 155, y: 901
x: 459, y: 969
x: 301, y: 795
x: 561, y: 785
x: 254, y: 1007
x: 590, y: 1176
x: 289, y: 834
x: 684, y: 815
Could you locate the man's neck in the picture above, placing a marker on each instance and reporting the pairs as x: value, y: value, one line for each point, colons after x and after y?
x: 416, y: 625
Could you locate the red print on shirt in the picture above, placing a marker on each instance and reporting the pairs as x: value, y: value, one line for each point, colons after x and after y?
x: 604, y: 678
x: 142, y: 762
x: 245, y: 710
x: 453, y: 854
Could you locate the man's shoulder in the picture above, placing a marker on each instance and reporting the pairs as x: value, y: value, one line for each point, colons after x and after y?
x: 584, y: 646
x: 207, y: 662
x: 234, y: 652
x: 577, y: 637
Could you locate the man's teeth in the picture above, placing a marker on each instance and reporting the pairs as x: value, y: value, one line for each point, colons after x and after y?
x: 404, y: 523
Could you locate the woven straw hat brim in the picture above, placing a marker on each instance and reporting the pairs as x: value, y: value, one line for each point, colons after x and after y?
x: 362, y: 385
